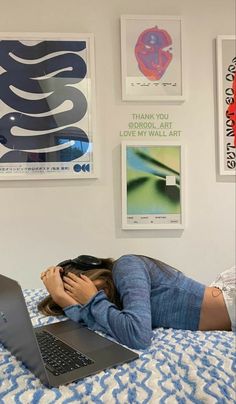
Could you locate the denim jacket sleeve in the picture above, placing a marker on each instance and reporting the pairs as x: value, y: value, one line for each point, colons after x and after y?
x: 132, y: 325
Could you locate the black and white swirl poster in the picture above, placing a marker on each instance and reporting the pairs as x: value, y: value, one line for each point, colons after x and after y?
x: 46, y: 107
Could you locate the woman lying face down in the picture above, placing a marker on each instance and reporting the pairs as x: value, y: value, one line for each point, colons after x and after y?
x: 129, y: 297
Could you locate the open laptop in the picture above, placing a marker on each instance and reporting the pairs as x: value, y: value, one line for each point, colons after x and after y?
x: 82, y: 352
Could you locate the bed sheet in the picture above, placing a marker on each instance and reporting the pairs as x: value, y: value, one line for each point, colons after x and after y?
x: 179, y: 367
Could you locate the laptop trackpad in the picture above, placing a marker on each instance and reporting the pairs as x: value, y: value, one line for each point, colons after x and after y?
x: 84, y: 340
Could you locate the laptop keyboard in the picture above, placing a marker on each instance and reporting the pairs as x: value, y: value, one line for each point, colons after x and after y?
x: 59, y: 357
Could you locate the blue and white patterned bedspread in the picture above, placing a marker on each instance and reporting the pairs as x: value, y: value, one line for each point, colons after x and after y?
x: 179, y: 367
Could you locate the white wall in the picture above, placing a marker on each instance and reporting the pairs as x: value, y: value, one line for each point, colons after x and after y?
x: 43, y: 222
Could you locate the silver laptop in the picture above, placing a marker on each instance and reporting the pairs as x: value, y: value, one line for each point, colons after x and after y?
x: 57, y: 353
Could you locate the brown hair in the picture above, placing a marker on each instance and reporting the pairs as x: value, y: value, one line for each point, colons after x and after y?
x: 49, y: 308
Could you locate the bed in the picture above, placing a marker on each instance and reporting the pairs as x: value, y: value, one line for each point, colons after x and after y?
x: 178, y: 367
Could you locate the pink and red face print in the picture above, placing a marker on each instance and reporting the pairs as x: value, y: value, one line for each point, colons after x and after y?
x: 153, y: 52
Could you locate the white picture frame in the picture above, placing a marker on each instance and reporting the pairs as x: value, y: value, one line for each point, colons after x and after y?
x: 226, y: 100
x: 152, y: 58
x: 47, y: 106
x: 152, y: 185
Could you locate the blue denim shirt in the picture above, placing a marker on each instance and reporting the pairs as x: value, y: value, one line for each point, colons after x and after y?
x: 152, y: 294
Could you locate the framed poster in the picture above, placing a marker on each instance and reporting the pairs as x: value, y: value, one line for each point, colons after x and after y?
x: 152, y: 58
x: 152, y: 185
x: 47, y: 100
x: 226, y: 83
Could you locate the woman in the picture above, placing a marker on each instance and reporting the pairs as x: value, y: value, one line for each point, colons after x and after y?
x: 129, y: 297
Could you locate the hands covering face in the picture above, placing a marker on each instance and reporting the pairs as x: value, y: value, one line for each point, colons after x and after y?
x: 70, y: 290
x: 81, y: 288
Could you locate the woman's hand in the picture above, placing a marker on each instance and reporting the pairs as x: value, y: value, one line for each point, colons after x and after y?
x: 81, y: 289
x: 55, y: 287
